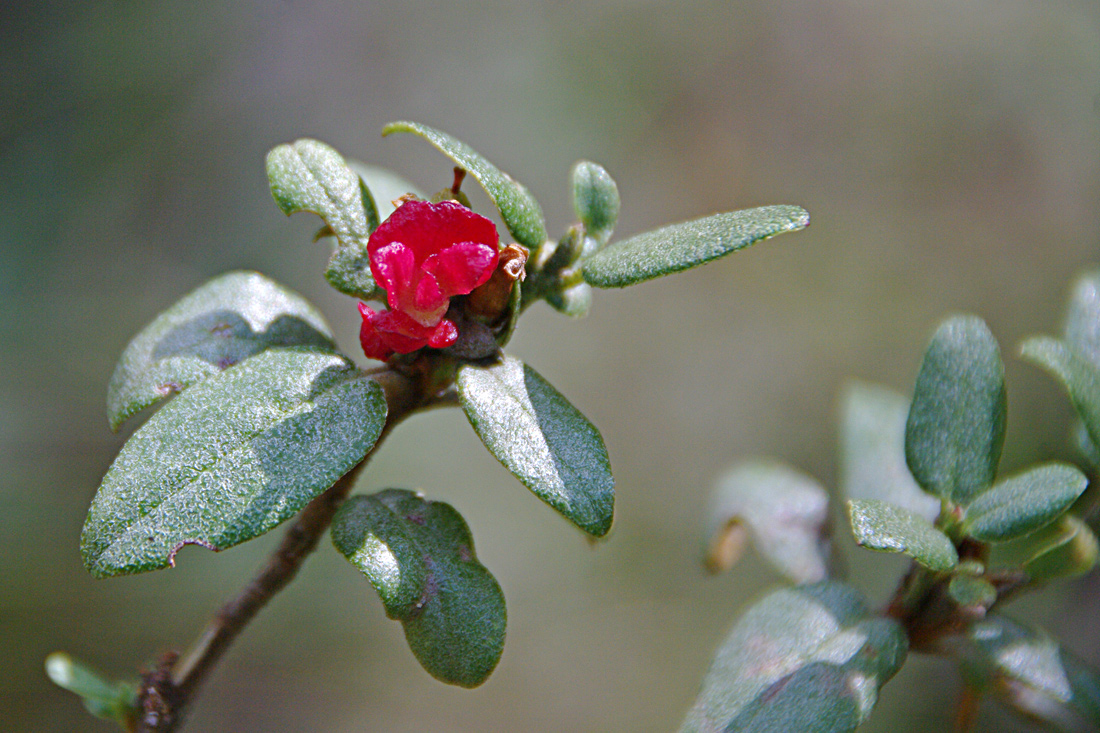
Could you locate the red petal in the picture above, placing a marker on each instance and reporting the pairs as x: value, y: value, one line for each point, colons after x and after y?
x: 393, y: 267
x: 400, y: 332
x: 445, y: 334
x: 429, y: 303
x: 430, y: 228
x: 462, y: 267
x: 373, y: 345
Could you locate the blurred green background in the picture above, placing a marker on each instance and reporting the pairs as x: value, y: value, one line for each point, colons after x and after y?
x: 949, y: 154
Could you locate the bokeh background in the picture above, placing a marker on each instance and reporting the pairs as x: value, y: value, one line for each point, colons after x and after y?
x: 949, y: 154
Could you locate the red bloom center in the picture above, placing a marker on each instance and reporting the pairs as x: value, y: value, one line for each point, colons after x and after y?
x: 423, y: 255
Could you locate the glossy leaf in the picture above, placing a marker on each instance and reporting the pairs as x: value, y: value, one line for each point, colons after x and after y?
x: 1083, y: 318
x: 956, y: 425
x: 786, y: 513
x: 228, y: 319
x: 872, y: 441
x: 809, y: 659
x: 231, y: 458
x: 681, y: 246
x: 877, y: 525
x: 1024, y: 503
x: 308, y: 175
x: 419, y: 556
x: 1063, y: 548
x: 385, y: 186
x: 518, y: 208
x: 1080, y: 377
x: 542, y: 439
x: 595, y: 200
x: 1030, y: 672
x: 102, y: 698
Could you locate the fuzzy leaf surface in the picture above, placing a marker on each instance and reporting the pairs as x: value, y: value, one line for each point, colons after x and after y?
x: 518, y: 209
x: 419, y: 556
x: 1079, y: 377
x: 811, y: 659
x: 308, y: 175
x: 226, y: 320
x: 1024, y: 503
x: 542, y: 439
x: 595, y: 200
x: 785, y: 511
x: 956, y: 425
x: 1030, y: 672
x: 878, y: 525
x: 231, y: 458
x: 872, y: 442
x: 681, y: 246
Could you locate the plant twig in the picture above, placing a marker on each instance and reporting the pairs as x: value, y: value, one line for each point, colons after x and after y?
x: 167, y: 691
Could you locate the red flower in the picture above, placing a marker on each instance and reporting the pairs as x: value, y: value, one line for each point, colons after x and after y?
x: 422, y: 256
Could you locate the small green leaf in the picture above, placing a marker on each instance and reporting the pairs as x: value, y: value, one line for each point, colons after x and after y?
x: 787, y: 513
x: 419, y: 556
x: 231, y: 458
x: 809, y: 659
x: 1083, y: 318
x: 573, y: 301
x: 680, y: 246
x: 956, y: 425
x: 888, y: 528
x: 1077, y: 374
x: 308, y: 175
x: 228, y: 319
x: 102, y: 698
x: 385, y: 186
x: 518, y: 208
x: 1024, y: 503
x: 1064, y: 548
x: 872, y: 439
x: 595, y: 200
x: 542, y: 439
x: 969, y: 591
x: 1028, y: 670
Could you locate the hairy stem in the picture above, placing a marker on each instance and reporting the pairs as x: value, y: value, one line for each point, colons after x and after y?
x: 167, y: 691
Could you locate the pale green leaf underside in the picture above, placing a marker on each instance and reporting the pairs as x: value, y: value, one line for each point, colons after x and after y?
x: 542, y: 439
x: 308, y: 175
x: 518, y: 208
x: 103, y: 698
x: 419, y: 556
x: 878, y: 525
x: 810, y: 659
x: 595, y: 200
x: 956, y: 425
x: 1029, y: 671
x: 226, y: 320
x: 1024, y: 503
x: 231, y: 458
x: 1079, y: 377
x: 872, y: 437
x: 680, y: 246
x: 786, y: 512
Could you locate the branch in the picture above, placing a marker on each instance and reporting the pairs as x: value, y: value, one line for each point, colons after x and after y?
x: 167, y: 691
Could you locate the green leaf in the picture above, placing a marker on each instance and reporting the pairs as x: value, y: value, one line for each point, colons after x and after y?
x: 385, y: 186
x: 419, y: 556
x: 573, y: 301
x: 231, y: 458
x: 680, y: 246
x: 1028, y: 670
x: 102, y: 698
x: 1083, y: 318
x: 872, y: 439
x: 1062, y: 549
x: 786, y: 512
x: 969, y: 591
x: 518, y: 208
x: 542, y: 439
x: 1080, y: 377
x: 1024, y: 503
x: 877, y: 525
x: 308, y: 175
x: 228, y: 319
x: 956, y: 425
x: 810, y: 659
x: 595, y: 200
